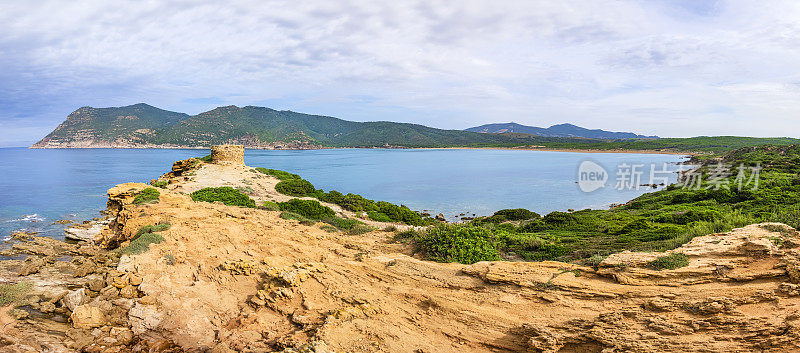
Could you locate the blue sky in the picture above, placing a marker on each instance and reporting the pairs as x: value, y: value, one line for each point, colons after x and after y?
x: 668, y: 68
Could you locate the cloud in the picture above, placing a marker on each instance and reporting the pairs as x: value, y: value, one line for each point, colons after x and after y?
x: 672, y: 68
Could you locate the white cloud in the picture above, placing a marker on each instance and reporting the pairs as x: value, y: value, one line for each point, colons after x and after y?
x: 672, y: 68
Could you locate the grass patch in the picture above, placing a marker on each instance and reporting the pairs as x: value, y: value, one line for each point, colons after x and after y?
x: 282, y: 175
x: 297, y: 217
x: 359, y: 229
x: 159, y: 183
x: 270, y: 206
x: 226, y: 194
x: 160, y: 227
x: 141, y: 243
x: 669, y: 262
x: 13, y: 293
x: 148, y: 195
x: 206, y: 158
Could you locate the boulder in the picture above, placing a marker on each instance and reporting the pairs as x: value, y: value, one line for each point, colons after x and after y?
x: 75, y: 298
x: 87, y: 317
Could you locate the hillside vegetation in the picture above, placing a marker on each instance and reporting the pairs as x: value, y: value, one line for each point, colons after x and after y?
x: 141, y: 125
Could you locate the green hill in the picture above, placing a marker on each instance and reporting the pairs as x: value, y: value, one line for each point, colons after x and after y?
x: 142, y: 125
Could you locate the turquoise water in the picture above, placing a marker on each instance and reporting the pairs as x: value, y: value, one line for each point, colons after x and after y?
x: 38, y: 187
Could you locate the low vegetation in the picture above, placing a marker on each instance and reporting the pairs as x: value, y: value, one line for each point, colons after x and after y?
x: 148, y: 195
x: 669, y: 262
x: 144, y: 237
x: 310, y: 209
x: 656, y: 221
x: 224, y: 194
x: 13, y: 293
x: 159, y: 183
x: 455, y: 243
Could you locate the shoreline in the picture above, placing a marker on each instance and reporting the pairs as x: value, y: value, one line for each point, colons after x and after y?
x: 543, y: 149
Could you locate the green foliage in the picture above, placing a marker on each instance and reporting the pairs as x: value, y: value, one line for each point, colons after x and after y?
x: 455, y: 243
x: 669, y: 262
x: 159, y: 183
x: 298, y: 217
x: 270, y: 206
x: 282, y: 175
x: 206, y: 158
x: 148, y: 195
x: 13, y: 293
x: 359, y: 229
x: 160, y: 227
x: 342, y: 223
x: 517, y: 214
x: 224, y: 194
x: 311, y: 209
x: 296, y: 187
x: 141, y: 243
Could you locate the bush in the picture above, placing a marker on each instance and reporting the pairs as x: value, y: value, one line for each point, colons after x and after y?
x: 141, y: 244
x: 282, y: 175
x: 270, y: 206
x: 670, y: 262
x: 13, y: 293
x: 159, y: 183
x: 454, y: 243
x: 517, y: 214
x: 296, y: 187
x: 307, y: 208
x: 206, y: 159
x: 560, y: 219
x: 224, y: 194
x: 148, y: 195
x: 342, y: 223
x: 378, y: 216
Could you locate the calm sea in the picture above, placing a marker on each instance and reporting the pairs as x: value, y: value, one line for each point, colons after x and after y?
x: 38, y: 187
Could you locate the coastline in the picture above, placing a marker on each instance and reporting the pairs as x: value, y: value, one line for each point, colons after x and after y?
x: 526, y: 148
x: 573, y: 150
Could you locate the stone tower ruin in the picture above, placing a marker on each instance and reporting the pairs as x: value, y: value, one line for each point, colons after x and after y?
x: 227, y: 154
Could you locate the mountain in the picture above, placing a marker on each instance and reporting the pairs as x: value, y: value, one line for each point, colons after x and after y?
x: 561, y: 130
x: 142, y: 125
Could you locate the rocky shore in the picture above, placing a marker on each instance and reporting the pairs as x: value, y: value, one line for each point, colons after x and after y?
x: 230, y: 279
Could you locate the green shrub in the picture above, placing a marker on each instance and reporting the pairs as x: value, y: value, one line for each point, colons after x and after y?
x: 270, y: 206
x: 160, y: 227
x: 206, y: 158
x: 360, y: 229
x: 296, y: 187
x: 297, y: 217
x: 13, y: 293
x: 159, y: 183
x: 307, y: 208
x: 342, y: 223
x: 148, y: 195
x: 517, y: 214
x: 560, y: 219
x: 378, y: 216
x: 141, y: 244
x: 224, y: 194
x: 282, y: 175
x: 455, y: 243
x: 669, y: 262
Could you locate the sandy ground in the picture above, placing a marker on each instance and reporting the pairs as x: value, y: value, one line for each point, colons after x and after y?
x: 247, y: 280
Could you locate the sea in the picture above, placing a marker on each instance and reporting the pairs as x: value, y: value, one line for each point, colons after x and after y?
x: 41, y: 186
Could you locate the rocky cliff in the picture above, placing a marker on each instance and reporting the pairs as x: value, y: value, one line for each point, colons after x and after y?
x: 228, y: 279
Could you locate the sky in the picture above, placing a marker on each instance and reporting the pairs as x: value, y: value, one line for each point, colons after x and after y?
x: 668, y: 68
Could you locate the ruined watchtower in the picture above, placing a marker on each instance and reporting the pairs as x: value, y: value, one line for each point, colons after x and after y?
x: 227, y: 154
